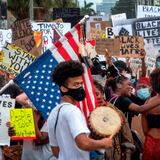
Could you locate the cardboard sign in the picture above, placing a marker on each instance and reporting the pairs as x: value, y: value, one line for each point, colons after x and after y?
x: 5, y: 36
x: 118, y: 17
x: 113, y: 46
x: 149, y: 29
x: 131, y: 46
x: 94, y: 21
x: 5, y: 105
x: 96, y: 34
x: 15, y: 59
x: 23, y: 36
x: 23, y: 123
x: 147, y: 11
x: 48, y: 34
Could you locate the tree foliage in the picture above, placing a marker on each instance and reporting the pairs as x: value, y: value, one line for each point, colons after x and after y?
x: 87, y: 9
x: 125, y: 6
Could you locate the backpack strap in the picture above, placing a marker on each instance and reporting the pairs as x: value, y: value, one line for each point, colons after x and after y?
x: 55, y: 126
x: 114, y: 98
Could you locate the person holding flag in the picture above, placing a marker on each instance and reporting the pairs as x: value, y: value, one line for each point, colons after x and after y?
x: 67, y: 128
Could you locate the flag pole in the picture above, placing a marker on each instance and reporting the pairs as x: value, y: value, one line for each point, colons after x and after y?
x: 84, y: 19
x: 11, y: 82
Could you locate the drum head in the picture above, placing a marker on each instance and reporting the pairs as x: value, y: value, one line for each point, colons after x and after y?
x: 105, y: 121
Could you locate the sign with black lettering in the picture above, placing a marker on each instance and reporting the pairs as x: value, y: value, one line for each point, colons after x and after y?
x: 65, y: 12
x: 147, y: 11
x: 23, y: 36
x: 47, y: 29
x: 23, y: 122
x: 6, y: 104
x: 14, y: 59
x: 131, y: 46
x: 109, y: 32
x: 149, y: 28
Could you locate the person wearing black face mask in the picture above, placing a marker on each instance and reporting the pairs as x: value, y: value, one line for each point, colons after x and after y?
x: 67, y: 128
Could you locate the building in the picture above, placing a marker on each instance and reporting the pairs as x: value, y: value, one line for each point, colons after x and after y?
x: 104, y: 8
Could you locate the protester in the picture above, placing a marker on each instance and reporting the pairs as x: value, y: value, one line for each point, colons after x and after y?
x: 39, y: 148
x: 122, y: 90
x: 150, y: 122
x: 68, y: 131
x: 122, y: 146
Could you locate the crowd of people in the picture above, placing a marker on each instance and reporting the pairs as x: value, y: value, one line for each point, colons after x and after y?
x: 66, y: 135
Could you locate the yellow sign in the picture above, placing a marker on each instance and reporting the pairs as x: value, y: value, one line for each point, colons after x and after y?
x: 23, y: 123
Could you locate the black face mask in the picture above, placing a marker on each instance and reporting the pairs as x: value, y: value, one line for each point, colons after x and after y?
x: 78, y: 94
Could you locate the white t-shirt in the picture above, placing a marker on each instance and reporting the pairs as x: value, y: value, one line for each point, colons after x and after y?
x: 34, y: 152
x: 71, y: 123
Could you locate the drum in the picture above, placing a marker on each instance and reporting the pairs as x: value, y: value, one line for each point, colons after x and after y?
x: 104, y: 122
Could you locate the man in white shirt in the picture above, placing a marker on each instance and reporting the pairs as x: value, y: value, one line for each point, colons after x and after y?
x: 68, y: 131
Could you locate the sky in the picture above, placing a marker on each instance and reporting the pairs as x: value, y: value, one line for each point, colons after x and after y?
x: 81, y: 2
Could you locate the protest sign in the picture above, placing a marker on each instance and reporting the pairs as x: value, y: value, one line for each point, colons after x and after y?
x: 23, y: 122
x: 5, y: 36
x: 149, y: 28
x: 122, y: 30
x: 109, y: 32
x: 96, y: 34
x: 95, y: 20
x: 147, y: 11
x: 15, y: 59
x: 131, y: 46
x: 118, y: 17
x: 23, y: 37
x: 113, y: 46
x: 5, y: 105
x: 48, y: 34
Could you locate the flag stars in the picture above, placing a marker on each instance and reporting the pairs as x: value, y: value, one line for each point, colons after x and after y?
x: 51, y: 96
x: 37, y: 71
x: 36, y: 77
x: 48, y: 77
x: 27, y: 87
x: 47, y: 113
x: 43, y: 100
x: 52, y: 90
x: 42, y: 106
x: 43, y: 71
x: 37, y: 99
x: 34, y: 82
x: 38, y: 93
x: 41, y: 82
x: 23, y: 82
x: 49, y: 107
x: 44, y: 66
x: 50, y: 102
x: 46, y: 89
x: 33, y: 87
x: 39, y: 88
x: 57, y: 97
x: 51, y: 60
x: 32, y: 92
x: 45, y: 94
x: 50, y: 66
x: 47, y: 83
x: 49, y: 72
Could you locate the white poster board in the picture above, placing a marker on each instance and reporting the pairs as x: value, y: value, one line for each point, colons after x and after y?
x: 5, y: 105
x: 118, y: 17
x: 147, y: 11
x: 47, y: 30
x: 5, y: 36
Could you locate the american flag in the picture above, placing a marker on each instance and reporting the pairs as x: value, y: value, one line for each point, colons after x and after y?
x: 36, y: 81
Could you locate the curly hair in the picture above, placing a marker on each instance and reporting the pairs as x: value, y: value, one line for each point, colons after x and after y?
x: 65, y: 70
x: 155, y: 80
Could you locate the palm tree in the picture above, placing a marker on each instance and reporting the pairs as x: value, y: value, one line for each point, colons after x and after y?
x: 64, y: 4
x: 87, y: 9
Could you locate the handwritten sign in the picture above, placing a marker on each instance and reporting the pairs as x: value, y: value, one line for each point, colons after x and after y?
x: 113, y: 46
x: 15, y: 59
x: 23, y: 36
x: 147, y: 11
x: 47, y: 29
x: 96, y: 34
x: 131, y: 46
x: 6, y: 104
x: 149, y: 29
x: 5, y: 36
x: 23, y: 123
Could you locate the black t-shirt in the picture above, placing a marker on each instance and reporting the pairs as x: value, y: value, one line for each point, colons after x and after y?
x: 123, y: 103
